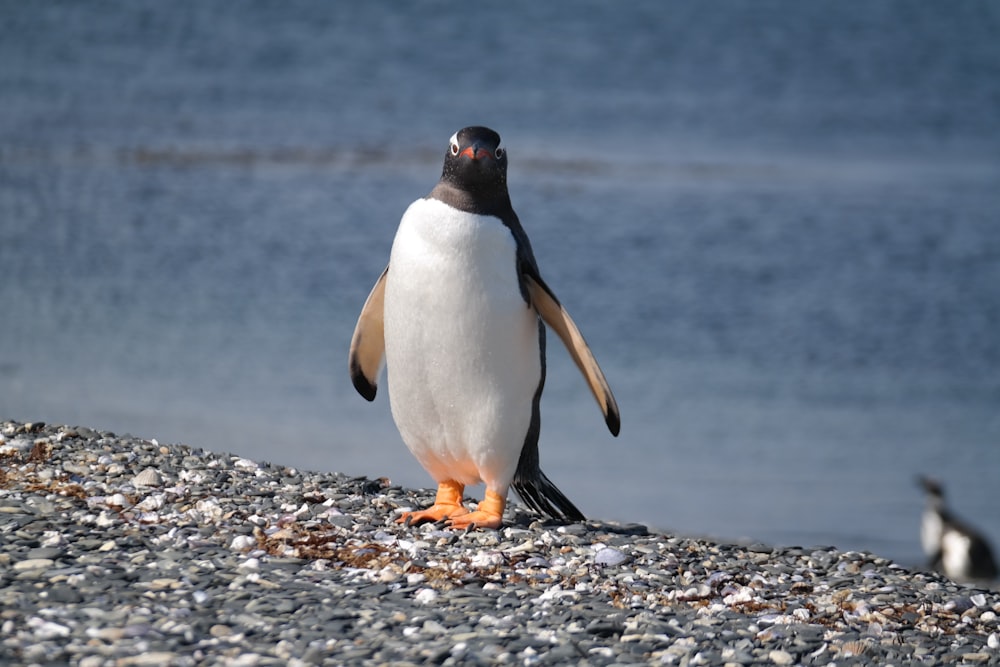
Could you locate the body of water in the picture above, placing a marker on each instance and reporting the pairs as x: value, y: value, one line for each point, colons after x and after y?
x: 777, y: 224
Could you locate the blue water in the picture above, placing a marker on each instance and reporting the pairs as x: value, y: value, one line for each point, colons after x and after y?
x: 777, y: 224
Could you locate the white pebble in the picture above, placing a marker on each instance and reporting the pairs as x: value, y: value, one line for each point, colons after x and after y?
x: 486, y: 559
x: 34, y: 564
x: 780, y: 657
x: 387, y: 575
x: 153, y: 501
x: 609, y: 557
x: 51, y: 538
x: 425, y: 595
x: 242, y: 543
x: 208, y: 509
x: 245, y: 464
x: 47, y: 629
x: 192, y: 476
x: 249, y: 564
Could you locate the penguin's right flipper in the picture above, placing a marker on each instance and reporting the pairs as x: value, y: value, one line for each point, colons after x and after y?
x: 548, y: 306
x: 368, y: 342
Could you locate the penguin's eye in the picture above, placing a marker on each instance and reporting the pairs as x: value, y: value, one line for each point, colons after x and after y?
x: 498, y: 153
x: 454, y: 148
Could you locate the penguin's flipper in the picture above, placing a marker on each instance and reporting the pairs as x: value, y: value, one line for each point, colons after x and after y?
x: 552, y: 312
x: 368, y: 342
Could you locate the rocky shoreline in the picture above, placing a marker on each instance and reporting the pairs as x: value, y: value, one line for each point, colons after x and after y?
x: 118, y: 550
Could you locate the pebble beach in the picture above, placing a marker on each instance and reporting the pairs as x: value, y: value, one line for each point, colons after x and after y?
x: 120, y: 550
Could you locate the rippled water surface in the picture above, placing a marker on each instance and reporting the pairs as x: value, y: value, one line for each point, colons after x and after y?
x: 777, y: 225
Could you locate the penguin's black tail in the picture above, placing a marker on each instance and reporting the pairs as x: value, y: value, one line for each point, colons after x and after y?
x: 535, y: 489
x: 540, y: 494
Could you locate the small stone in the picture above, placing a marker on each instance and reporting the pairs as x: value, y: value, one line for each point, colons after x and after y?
x: 34, y: 564
x: 433, y: 627
x: 426, y: 595
x: 780, y: 657
x: 341, y: 520
x: 64, y: 594
x: 49, y: 553
x: 219, y: 630
x: 610, y: 557
x: 243, y: 542
x: 45, y: 630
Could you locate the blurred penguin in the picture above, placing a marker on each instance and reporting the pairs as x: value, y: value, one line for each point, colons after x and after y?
x: 953, y: 548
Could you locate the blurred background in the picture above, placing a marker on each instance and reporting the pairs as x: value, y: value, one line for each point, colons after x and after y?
x: 776, y: 223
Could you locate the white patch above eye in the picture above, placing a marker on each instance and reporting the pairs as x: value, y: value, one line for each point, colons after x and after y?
x: 454, y: 143
x: 500, y: 150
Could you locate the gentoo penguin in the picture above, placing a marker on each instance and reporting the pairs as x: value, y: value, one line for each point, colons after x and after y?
x: 954, y: 549
x: 457, y: 319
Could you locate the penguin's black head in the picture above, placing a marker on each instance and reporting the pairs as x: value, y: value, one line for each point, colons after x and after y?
x: 476, y: 162
x: 932, y: 487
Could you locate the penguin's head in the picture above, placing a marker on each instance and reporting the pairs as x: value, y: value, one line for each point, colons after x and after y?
x: 933, y: 488
x: 476, y: 161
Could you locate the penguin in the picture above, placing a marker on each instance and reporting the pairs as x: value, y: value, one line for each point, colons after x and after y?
x: 953, y: 548
x: 457, y: 319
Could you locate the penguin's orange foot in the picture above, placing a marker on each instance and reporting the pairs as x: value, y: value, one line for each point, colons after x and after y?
x: 475, y: 519
x: 447, y: 504
x: 435, y: 512
x: 489, y: 514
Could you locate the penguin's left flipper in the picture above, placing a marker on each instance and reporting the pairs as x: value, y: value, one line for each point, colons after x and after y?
x: 368, y: 342
x: 552, y: 312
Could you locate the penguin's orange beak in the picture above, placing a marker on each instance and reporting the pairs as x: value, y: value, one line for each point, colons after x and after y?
x: 474, y: 152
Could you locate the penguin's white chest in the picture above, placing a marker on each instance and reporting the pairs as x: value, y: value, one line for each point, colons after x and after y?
x: 931, y: 530
x: 955, y: 550
x: 461, y: 344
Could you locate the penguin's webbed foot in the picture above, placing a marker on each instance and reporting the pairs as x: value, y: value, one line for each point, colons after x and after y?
x: 447, y: 504
x: 435, y: 512
x: 474, y: 520
x: 489, y: 514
